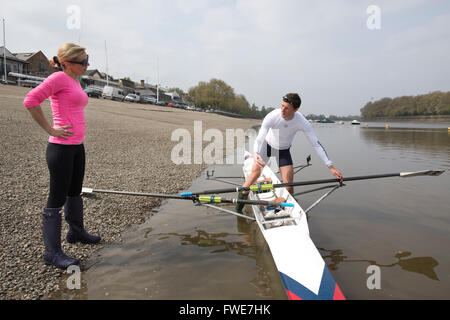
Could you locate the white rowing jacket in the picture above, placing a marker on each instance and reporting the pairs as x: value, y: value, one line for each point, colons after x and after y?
x: 279, y: 133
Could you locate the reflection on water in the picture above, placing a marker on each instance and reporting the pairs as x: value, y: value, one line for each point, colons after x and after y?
x: 421, y: 265
x: 205, y: 239
x: 435, y: 142
x: 251, y: 244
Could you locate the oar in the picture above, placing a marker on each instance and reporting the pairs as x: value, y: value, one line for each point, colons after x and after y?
x: 314, y: 190
x: 264, y: 187
x: 154, y: 195
x: 201, y: 199
x: 214, y: 199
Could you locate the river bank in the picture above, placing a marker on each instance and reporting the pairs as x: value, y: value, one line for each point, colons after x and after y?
x: 128, y: 147
x: 427, y: 119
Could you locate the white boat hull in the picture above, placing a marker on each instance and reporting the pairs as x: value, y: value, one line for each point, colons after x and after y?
x: 302, y: 269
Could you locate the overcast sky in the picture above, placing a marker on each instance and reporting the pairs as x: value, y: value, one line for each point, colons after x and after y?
x: 323, y: 50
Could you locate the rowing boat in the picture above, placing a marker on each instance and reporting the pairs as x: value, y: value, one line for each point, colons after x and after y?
x: 302, y: 269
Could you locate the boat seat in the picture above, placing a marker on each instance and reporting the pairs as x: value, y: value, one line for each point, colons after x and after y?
x: 266, y: 196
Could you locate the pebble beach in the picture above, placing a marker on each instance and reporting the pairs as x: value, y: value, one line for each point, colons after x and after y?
x: 128, y: 147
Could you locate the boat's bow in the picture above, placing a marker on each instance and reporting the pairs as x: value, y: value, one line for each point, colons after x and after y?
x: 302, y: 269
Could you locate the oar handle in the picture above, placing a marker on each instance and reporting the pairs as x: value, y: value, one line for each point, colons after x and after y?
x: 266, y: 203
x: 215, y: 199
x: 256, y: 188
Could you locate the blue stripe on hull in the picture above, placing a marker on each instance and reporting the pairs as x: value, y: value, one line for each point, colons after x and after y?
x: 326, y: 291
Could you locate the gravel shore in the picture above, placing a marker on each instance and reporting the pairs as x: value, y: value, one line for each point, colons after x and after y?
x: 128, y: 147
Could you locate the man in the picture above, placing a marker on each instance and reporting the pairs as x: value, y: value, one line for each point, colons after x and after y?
x: 275, y: 138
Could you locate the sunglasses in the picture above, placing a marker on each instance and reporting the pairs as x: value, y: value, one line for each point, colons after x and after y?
x: 286, y: 99
x: 83, y: 62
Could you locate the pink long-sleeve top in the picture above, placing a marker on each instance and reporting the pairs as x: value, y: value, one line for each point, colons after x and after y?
x: 68, y: 101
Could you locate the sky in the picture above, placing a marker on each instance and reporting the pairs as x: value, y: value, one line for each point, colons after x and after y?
x: 338, y: 55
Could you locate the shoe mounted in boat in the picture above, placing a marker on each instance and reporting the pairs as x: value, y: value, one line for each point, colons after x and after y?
x: 239, y: 206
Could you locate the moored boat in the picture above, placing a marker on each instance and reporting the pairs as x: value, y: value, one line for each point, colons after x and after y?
x: 355, y: 122
x: 302, y: 269
x: 326, y: 120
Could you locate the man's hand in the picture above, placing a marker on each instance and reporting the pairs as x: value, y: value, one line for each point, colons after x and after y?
x: 258, y: 160
x: 336, y: 173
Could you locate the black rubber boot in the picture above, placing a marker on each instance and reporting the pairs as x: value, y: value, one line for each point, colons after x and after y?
x: 51, y: 229
x: 73, y: 213
x: 239, y: 206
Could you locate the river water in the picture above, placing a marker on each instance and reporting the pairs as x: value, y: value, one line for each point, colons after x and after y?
x: 400, y: 225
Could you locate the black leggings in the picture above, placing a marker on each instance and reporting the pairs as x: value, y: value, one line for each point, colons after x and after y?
x: 66, y: 164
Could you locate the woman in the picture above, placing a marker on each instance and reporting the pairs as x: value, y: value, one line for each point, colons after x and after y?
x: 65, y: 153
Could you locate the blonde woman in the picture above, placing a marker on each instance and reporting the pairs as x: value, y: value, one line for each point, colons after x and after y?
x: 65, y: 152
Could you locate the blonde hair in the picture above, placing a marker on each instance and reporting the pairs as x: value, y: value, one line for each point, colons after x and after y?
x: 67, y: 52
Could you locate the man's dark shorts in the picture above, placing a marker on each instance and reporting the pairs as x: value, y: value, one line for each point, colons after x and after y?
x: 283, y: 157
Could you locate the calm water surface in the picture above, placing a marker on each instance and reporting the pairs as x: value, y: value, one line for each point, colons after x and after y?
x: 401, y: 225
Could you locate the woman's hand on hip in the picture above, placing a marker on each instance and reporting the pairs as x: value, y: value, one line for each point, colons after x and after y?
x: 61, y: 132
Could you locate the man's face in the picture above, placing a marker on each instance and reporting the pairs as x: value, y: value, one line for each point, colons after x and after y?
x: 287, y: 110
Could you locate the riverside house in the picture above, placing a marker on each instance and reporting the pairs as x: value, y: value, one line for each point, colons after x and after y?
x: 13, y: 64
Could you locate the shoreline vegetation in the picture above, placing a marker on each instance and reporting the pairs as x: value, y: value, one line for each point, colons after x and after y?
x: 423, y: 107
x: 220, y: 96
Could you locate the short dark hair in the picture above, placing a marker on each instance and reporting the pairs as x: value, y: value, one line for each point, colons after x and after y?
x: 294, y: 99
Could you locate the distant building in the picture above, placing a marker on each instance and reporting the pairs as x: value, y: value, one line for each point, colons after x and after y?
x: 95, y: 74
x: 13, y: 64
x: 38, y: 64
x: 174, y: 96
x: 127, y: 84
x: 97, y: 79
x: 145, y: 89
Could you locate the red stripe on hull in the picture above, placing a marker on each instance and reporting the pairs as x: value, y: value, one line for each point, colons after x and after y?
x: 338, y: 295
x: 292, y: 296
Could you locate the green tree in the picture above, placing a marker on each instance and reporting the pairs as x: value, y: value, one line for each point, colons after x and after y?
x: 216, y: 94
x: 433, y: 103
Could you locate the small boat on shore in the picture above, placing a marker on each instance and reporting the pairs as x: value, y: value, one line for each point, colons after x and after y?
x: 302, y: 269
x: 355, y: 122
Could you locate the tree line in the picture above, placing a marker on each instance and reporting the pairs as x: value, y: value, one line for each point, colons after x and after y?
x: 218, y: 95
x: 431, y: 104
